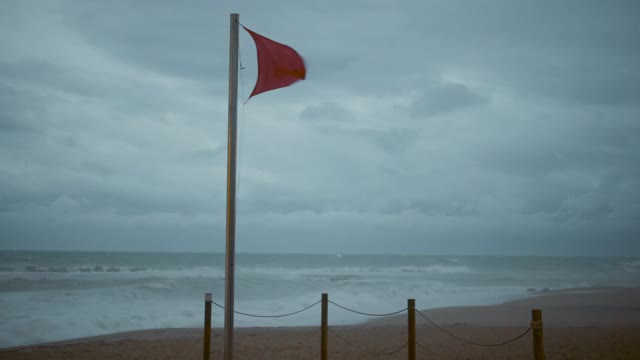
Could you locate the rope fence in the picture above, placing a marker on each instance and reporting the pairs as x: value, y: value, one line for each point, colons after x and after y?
x: 270, y: 316
x: 368, y: 314
x: 536, y: 327
x: 471, y: 342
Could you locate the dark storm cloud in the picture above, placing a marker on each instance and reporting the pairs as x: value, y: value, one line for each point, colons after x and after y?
x: 205, y: 155
x: 283, y: 202
x: 156, y: 35
x: 437, y: 126
x: 392, y: 140
x: 45, y: 76
x: 326, y: 112
x: 591, y: 85
x: 583, y: 51
x: 43, y: 80
x: 441, y: 207
x: 18, y: 110
x: 443, y: 98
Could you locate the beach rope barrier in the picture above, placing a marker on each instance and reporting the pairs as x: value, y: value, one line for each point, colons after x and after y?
x: 431, y: 351
x: 471, y: 342
x: 367, y: 350
x: 368, y: 314
x: 270, y: 316
x: 535, y: 326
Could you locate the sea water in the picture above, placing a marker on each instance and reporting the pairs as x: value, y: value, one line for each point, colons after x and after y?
x: 50, y: 296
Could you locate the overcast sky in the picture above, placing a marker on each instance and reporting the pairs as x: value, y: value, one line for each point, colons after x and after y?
x: 436, y: 127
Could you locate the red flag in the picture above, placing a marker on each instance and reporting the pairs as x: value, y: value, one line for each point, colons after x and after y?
x: 278, y: 65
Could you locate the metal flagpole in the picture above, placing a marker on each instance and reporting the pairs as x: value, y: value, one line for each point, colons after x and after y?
x: 231, y: 188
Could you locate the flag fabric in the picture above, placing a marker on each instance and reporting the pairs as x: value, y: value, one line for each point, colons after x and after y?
x: 279, y: 65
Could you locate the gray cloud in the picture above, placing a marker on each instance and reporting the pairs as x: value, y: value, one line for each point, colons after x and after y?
x: 444, y: 98
x: 392, y: 140
x: 15, y: 115
x: 488, y: 127
x: 155, y: 35
x: 326, y: 112
x: 206, y: 155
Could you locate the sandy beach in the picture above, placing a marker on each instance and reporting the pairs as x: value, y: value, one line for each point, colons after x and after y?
x: 578, y: 324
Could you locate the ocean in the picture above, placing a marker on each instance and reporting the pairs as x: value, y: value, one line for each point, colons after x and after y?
x: 51, y: 296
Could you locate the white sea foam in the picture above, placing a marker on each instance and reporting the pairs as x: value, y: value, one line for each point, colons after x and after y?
x: 633, y: 264
x: 437, y: 268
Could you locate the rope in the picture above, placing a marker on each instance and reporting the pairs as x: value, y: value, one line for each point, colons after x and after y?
x: 270, y: 316
x: 368, y: 314
x: 240, y: 139
x: 366, y: 350
x: 244, y: 99
x: 431, y: 351
x: 536, y: 325
x: 470, y: 342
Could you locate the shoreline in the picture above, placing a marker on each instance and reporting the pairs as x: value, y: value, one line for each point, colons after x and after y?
x: 578, y: 323
x: 513, y: 314
x: 610, y: 307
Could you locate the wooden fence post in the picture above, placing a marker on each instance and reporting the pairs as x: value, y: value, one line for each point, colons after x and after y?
x: 324, y: 324
x: 411, y: 317
x: 206, y: 351
x: 538, y: 343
